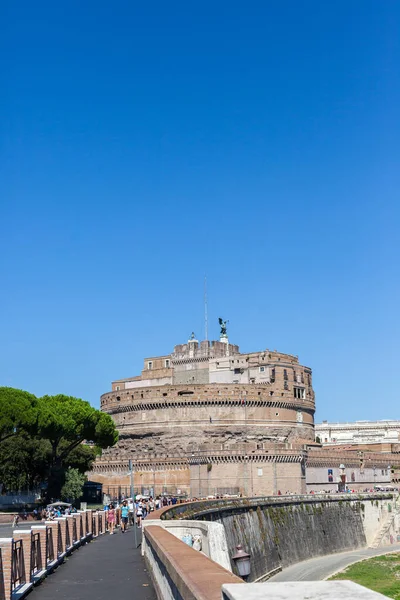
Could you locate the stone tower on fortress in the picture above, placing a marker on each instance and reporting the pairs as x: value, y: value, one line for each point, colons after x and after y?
x: 208, y: 420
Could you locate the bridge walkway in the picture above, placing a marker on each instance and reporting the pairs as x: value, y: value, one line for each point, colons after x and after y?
x: 108, y: 568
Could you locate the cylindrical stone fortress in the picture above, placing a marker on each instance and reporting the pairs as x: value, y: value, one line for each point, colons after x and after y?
x: 207, y: 404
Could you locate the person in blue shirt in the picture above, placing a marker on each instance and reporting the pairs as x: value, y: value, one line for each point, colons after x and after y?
x: 124, y: 516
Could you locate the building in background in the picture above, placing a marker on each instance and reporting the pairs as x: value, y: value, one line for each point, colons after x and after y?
x: 384, y: 433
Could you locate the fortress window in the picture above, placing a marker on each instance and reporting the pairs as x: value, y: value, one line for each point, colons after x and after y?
x: 236, y: 371
x: 167, y: 363
x: 299, y: 393
x: 150, y: 364
x: 118, y: 398
x: 117, y: 388
x: 272, y: 378
x: 262, y: 369
x: 285, y: 376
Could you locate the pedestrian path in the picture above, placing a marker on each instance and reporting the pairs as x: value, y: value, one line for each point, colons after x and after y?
x: 108, y: 568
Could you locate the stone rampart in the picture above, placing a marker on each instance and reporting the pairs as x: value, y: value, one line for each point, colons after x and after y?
x: 280, y: 531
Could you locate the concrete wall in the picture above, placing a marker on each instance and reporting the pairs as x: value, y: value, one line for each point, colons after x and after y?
x: 180, y: 572
x: 279, y: 535
x: 212, y: 535
x: 298, y: 590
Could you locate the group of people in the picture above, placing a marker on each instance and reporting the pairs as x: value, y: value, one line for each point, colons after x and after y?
x: 49, y: 513
x: 52, y: 512
x: 134, y: 511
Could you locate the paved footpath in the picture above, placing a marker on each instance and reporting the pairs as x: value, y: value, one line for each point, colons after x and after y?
x: 322, y: 567
x: 109, y: 567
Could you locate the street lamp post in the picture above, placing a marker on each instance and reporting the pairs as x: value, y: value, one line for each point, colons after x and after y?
x: 242, y: 562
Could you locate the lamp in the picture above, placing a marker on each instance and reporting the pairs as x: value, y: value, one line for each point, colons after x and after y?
x: 242, y: 561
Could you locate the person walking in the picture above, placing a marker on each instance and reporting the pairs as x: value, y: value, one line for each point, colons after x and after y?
x: 131, y: 515
x: 124, y: 516
x: 111, y: 518
x: 139, y: 514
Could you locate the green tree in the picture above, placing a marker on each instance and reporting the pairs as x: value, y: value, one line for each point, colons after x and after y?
x: 18, y: 412
x: 41, y: 437
x: 66, y: 422
x: 24, y: 462
x: 73, y: 486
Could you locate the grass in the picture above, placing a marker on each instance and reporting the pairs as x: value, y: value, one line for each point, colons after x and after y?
x: 381, y: 574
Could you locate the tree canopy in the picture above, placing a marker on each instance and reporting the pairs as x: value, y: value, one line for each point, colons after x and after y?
x: 67, y: 421
x: 41, y: 438
x: 18, y: 411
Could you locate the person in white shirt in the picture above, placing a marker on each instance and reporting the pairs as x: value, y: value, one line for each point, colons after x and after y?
x: 139, y: 514
x: 131, y: 508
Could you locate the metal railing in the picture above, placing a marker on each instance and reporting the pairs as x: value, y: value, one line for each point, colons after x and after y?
x: 74, y: 532
x: 18, y: 577
x: 94, y: 525
x: 59, y: 541
x: 49, y: 546
x: 86, y: 523
x: 100, y: 523
x: 68, y: 533
x: 80, y: 528
x: 36, y: 554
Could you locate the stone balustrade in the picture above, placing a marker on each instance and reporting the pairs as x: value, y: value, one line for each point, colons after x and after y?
x: 31, y: 554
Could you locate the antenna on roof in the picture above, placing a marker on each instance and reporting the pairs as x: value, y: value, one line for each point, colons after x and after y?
x: 205, y: 310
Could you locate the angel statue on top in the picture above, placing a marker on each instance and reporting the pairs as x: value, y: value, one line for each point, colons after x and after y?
x: 223, y: 326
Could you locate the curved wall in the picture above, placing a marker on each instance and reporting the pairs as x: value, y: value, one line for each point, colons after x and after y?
x: 238, y: 433
x: 204, y: 414
x: 278, y: 532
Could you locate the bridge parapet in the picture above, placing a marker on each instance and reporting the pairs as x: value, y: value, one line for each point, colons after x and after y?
x: 180, y: 571
x: 31, y: 554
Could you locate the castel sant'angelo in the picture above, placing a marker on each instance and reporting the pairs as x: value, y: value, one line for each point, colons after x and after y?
x: 208, y: 420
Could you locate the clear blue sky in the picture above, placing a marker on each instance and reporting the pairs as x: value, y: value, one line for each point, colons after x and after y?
x: 144, y: 145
